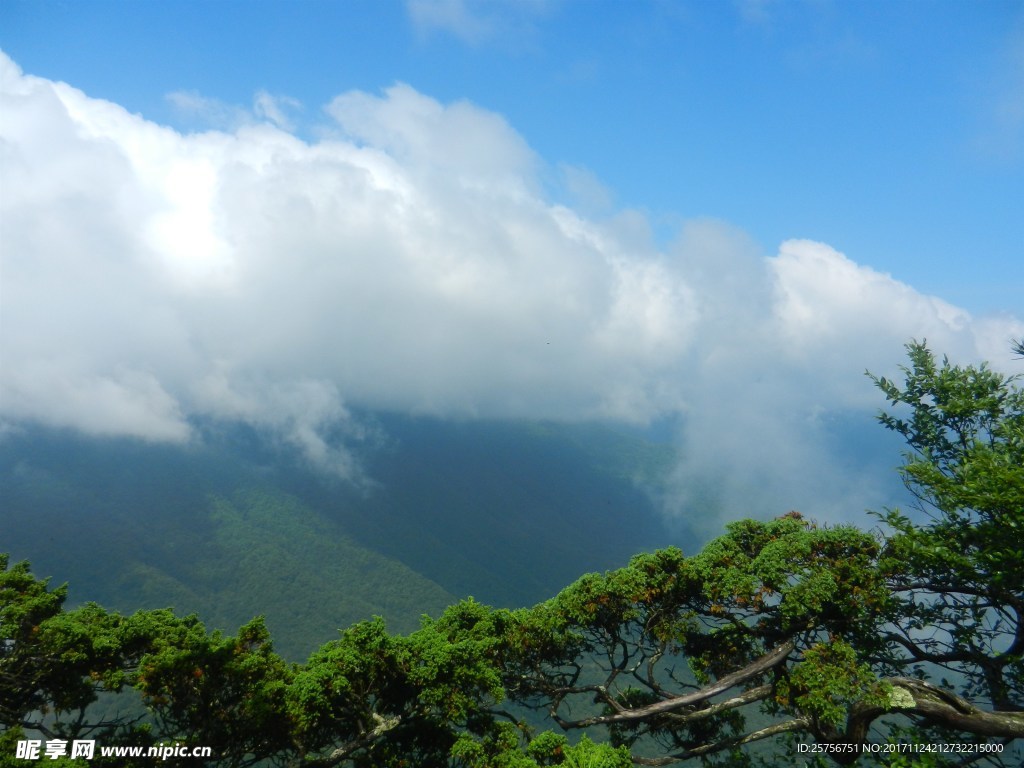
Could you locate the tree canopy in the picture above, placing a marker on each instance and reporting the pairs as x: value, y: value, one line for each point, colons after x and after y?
x: 781, y: 642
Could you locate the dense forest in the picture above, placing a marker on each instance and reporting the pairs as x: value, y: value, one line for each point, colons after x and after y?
x: 781, y: 642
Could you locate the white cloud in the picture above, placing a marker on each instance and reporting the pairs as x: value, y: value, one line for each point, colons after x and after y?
x: 121, y: 402
x: 192, y: 106
x: 477, y: 21
x: 453, y: 16
x: 410, y: 260
x: 585, y: 189
x: 302, y: 413
x: 458, y: 143
x: 275, y: 109
x: 196, y: 110
x: 825, y: 301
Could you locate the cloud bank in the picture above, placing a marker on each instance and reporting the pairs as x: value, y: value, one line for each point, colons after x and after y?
x: 411, y: 259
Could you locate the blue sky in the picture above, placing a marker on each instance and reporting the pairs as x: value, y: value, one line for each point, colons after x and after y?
x: 892, y: 131
x: 289, y: 214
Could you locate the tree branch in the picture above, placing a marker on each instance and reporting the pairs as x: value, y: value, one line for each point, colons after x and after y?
x: 796, y: 724
x: 935, y: 705
x: 941, y: 707
x: 757, y: 667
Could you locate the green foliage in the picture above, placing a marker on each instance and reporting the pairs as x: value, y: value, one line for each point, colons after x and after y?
x: 54, y: 664
x: 388, y: 697
x: 226, y: 693
x: 966, y: 465
x: 25, y: 605
x: 587, y: 754
x: 504, y: 750
x: 959, y: 577
x: 829, y: 682
x: 356, y: 692
x: 624, y: 639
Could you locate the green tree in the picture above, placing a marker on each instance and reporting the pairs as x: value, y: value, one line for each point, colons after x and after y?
x: 205, y: 689
x: 683, y: 658
x: 958, y: 578
x: 55, y: 664
x: 60, y: 671
x: 371, y: 698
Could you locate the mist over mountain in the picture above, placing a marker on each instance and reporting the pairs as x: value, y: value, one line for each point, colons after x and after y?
x: 414, y: 256
x: 234, y: 526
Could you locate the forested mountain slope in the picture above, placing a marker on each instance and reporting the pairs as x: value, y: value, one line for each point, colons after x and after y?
x: 232, y: 528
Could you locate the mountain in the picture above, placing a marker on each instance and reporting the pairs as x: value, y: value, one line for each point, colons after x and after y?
x: 235, y: 526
